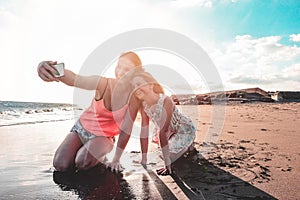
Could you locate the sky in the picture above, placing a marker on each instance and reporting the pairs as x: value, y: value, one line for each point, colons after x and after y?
x: 252, y: 43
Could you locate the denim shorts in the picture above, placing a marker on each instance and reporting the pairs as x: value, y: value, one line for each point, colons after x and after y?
x: 83, y: 134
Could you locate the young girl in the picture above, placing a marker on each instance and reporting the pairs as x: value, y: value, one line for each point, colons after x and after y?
x: 176, y: 131
x: 111, y: 112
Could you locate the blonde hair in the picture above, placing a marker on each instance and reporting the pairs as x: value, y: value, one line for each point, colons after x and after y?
x: 145, y: 79
x: 133, y: 57
x: 157, y: 88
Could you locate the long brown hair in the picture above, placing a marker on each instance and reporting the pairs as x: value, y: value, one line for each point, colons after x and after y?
x: 133, y: 57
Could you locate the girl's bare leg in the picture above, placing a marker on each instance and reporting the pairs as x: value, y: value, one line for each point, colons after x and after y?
x: 93, y: 152
x: 175, y: 156
x: 64, y: 158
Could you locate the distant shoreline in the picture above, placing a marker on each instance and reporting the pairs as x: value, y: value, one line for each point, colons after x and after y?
x: 248, y: 95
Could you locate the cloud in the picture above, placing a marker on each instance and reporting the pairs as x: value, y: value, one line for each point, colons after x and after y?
x: 292, y: 73
x: 286, y: 75
x: 295, y: 37
x: 199, y: 3
x: 192, y: 3
x: 7, y: 19
x: 264, y: 62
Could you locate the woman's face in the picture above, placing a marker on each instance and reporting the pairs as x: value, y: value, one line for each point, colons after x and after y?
x: 124, y: 65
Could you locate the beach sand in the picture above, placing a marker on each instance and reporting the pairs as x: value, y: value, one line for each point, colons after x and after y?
x: 259, y: 144
x: 255, y: 156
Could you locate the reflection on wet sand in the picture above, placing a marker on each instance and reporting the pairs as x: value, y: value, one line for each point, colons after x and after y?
x: 96, y: 183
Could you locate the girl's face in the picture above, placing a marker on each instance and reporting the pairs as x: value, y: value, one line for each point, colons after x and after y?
x: 143, y: 91
x: 124, y: 65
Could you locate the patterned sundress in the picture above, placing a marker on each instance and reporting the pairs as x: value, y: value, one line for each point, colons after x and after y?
x: 181, y: 131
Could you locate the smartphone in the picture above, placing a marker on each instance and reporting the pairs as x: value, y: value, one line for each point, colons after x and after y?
x: 59, y: 70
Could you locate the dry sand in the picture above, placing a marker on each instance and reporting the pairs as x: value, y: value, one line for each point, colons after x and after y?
x: 256, y: 156
x: 259, y: 144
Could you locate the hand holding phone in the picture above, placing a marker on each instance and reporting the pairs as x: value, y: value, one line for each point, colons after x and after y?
x: 59, y: 70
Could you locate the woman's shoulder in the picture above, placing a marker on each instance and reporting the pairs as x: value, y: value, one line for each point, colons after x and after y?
x: 103, y: 82
x: 110, y: 80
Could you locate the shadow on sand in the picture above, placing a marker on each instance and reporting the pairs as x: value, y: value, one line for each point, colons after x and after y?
x: 200, y: 179
x: 197, y: 179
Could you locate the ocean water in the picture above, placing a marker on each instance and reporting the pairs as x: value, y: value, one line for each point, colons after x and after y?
x: 17, y: 113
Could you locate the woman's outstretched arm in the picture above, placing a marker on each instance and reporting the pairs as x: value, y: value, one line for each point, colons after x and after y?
x: 46, y: 72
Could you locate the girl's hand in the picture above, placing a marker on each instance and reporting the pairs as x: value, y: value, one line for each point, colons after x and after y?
x: 115, y: 166
x: 164, y: 171
x: 142, y: 162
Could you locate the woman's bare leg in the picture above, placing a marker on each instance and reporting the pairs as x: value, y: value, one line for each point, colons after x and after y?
x: 93, y: 152
x: 64, y: 158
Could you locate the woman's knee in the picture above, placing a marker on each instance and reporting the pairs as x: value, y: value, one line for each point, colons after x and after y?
x: 93, y: 153
x: 64, y: 156
x: 61, y: 164
x: 87, y: 163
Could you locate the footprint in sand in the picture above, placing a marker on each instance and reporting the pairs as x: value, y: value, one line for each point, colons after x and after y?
x: 245, y: 141
x: 287, y: 169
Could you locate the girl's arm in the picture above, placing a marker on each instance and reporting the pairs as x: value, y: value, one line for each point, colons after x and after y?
x: 144, y: 136
x: 164, y: 128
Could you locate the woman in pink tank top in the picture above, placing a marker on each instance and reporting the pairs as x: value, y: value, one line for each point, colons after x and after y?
x: 92, y: 136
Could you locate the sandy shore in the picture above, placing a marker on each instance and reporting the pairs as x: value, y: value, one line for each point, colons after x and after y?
x: 255, y: 156
x: 259, y: 144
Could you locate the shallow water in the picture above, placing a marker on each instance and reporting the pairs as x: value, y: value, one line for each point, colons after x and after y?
x: 25, y: 164
x: 18, y: 113
x: 26, y: 153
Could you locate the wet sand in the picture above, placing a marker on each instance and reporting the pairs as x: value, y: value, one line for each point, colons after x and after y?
x: 256, y: 156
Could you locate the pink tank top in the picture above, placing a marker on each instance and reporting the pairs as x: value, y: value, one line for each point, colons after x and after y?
x: 102, y: 122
